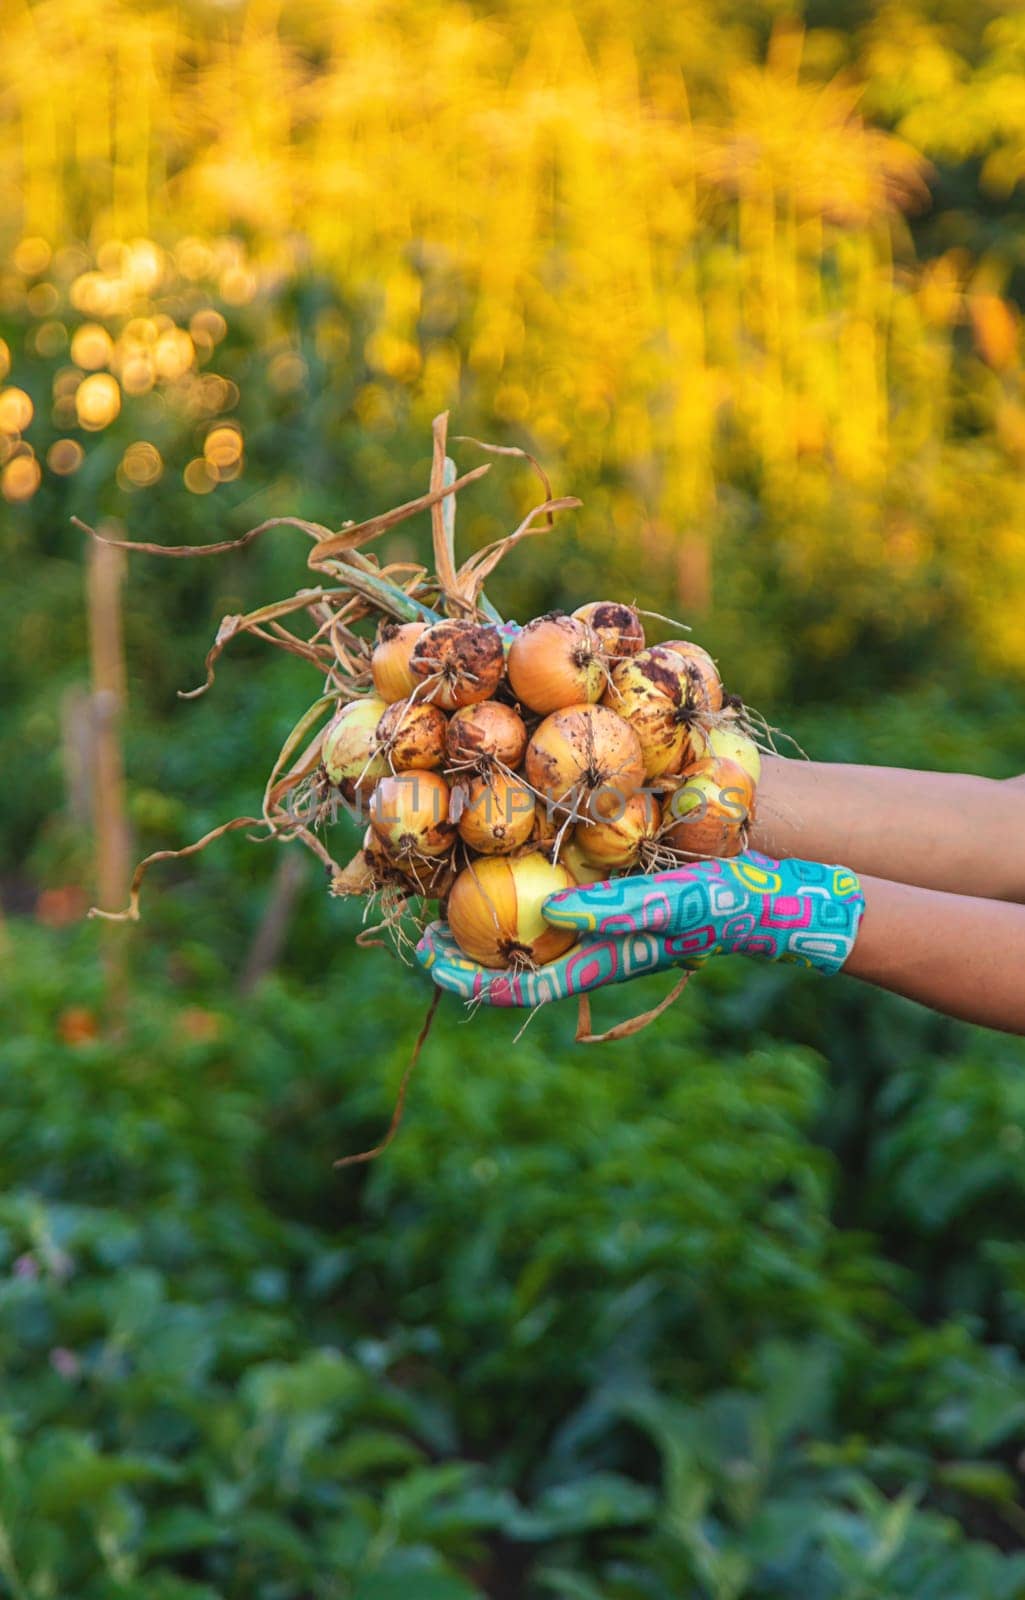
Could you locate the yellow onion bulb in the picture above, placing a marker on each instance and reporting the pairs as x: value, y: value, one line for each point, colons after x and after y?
x: 585, y: 758
x: 458, y: 662
x: 618, y: 627
x: 497, y: 814
x: 481, y: 734
x: 709, y: 813
x: 556, y: 661
x: 494, y: 911
x: 350, y: 751
x: 409, y: 813
x: 572, y: 857
x: 430, y: 878
x: 411, y: 735
x: 706, y: 691
x: 615, y: 843
x: 650, y: 690
x: 393, y: 676
x: 724, y: 741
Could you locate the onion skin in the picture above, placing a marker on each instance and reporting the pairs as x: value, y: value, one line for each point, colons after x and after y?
x: 350, y: 749
x: 614, y: 844
x: 555, y: 661
x: 651, y: 691
x: 411, y: 735
x: 585, y: 754
x: 709, y: 813
x: 489, y: 731
x: 706, y: 691
x: 458, y: 662
x: 618, y: 627
x: 389, y: 664
x: 494, y: 911
x: 410, y: 814
x: 498, y: 814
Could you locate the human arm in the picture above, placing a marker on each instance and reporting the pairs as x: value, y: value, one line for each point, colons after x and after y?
x: 935, y: 830
x: 960, y: 955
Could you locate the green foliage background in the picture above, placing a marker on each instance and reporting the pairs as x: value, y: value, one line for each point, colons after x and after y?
x: 733, y: 1311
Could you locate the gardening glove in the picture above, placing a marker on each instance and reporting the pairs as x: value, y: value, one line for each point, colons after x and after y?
x: 794, y: 911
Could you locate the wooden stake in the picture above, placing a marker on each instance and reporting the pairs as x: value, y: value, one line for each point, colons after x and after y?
x: 106, y: 652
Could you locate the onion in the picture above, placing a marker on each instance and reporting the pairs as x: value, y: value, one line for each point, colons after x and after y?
x: 498, y: 814
x: 546, y: 826
x: 411, y: 735
x: 573, y: 859
x: 616, y: 843
x: 350, y: 749
x: 585, y: 758
x: 555, y: 661
x: 494, y: 911
x: 459, y: 662
x: 409, y: 814
x: 481, y: 734
x: 392, y: 673
x: 430, y: 877
x: 724, y: 741
x: 709, y: 813
x: 651, y: 691
x: 619, y: 629
x: 706, y: 693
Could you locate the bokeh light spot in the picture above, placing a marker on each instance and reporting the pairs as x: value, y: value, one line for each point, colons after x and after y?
x: 32, y: 256
x: 208, y: 324
x: 97, y: 401
x: 223, y: 447
x: 91, y: 347
x: 175, y: 354
x: 64, y: 457
x: 141, y: 464
x: 20, y: 478
x: 16, y: 410
x: 199, y: 477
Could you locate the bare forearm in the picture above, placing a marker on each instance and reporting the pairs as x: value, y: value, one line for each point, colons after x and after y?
x: 945, y: 831
x: 962, y: 956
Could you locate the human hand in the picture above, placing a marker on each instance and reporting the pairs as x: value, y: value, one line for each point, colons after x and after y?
x: 801, y: 912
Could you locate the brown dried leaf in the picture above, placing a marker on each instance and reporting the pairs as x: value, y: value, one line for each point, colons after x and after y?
x: 131, y: 913
x: 362, y: 532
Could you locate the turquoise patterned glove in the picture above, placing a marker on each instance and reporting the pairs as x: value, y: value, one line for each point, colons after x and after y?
x: 795, y: 911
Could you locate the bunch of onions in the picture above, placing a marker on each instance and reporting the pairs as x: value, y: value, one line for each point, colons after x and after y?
x: 481, y: 735
x: 389, y: 665
x: 616, y: 843
x: 458, y: 662
x: 651, y: 690
x: 585, y: 758
x: 409, y: 813
x: 618, y: 628
x: 706, y: 691
x: 411, y: 735
x: 494, y: 911
x: 351, y: 752
x: 497, y: 814
x: 710, y: 812
x: 556, y: 661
